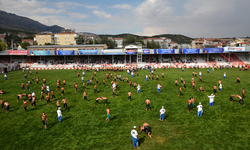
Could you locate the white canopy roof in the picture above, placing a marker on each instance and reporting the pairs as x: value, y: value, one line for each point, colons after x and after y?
x: 131, y: 47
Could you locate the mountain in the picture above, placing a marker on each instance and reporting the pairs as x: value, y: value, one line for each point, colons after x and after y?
x: 178, y: 38
x: 15, y: 22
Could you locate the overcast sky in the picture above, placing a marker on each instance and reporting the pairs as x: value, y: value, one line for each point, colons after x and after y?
x: 193, y: 18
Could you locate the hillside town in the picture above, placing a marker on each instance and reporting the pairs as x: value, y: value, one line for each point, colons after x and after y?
x: 71, y: 37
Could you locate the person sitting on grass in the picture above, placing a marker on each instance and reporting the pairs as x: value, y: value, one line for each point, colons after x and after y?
x: 202, y: 89
x: 2, y: 92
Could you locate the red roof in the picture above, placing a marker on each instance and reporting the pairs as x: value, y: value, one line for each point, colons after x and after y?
x: 1, y: 35
x: 219, y: 44
x: 244, y: 43
x: 172, y: 43
x: 153, y: 39
x: 66, y: 33
x: 119, y: 38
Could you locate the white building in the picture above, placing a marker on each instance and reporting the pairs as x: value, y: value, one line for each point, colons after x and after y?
x: 119, y: 42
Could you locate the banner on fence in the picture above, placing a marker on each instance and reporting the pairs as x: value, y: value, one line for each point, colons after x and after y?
x: 112, y: 52
x: 130, y: 52
x: 87, y: 52
x: 164, y: 51
x: 64, y: 52
x: 189, y: 51
x: 213, y: 50
x: 18, y: 52
x: 234, y: 49
x: 146, y: 51
x: 39, y: 53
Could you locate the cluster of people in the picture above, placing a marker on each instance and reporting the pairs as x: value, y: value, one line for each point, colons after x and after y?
x: 114, y: 86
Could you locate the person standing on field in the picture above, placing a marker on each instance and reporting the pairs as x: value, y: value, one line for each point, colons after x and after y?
x: 162, y: 113
x: 44, y: 118
x: 59, y: 113
x: 224, y: 77
x: 108, y: 114
x: 5, y: 76
x: 135, y: 137
x: 199, y: 112
x: 211, y: 99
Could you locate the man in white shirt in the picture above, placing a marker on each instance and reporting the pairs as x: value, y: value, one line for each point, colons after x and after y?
x: 135, y: 137
x: 162, y: 113
x: 199, y: 112
x: 128, y: 71
x: 224, y: 77
x: 33, y: 94
x: 5, y: 76
x: 83, y: 73
x: 132, y: 73
x: 211, y: 101
x: 138, y: 89
x: 113, y: 86
x: 220, y: 87
x: 146, y: 77
x: 82, y: 78
x: 200, y: 74
x: 59, y: 113
x: 159, y: 88
x: 47, y: 87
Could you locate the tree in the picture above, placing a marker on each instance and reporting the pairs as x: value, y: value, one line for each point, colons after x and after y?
x: 157, y: 45
x: 91, y: 41
x: 24, y: 45
x: 2, y: 46
x: 148, y: 44
x: 80, y: 40
x: 110, y: 43
x: 35, y: 43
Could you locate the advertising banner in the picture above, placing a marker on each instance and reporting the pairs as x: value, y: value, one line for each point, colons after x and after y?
x: 130, y: 52
x: 213, y: 50
x: 189, y: 51
x: 18, y: 52
x: 234, y: 49
x: 87, y: 52
x: 64, y: 52
x: 112, y: 52
x: 164, y: 51
x: 35, y: 53
x: 146, y: 51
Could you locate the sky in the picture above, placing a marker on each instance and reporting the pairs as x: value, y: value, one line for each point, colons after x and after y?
x: 193, y: 18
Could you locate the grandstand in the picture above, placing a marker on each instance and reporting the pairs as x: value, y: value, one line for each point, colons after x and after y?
x: 131, y: 56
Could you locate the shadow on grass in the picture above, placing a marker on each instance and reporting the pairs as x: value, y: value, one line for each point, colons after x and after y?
x: 54, y: 123
x: 113, y: 118
x: 141, y: 140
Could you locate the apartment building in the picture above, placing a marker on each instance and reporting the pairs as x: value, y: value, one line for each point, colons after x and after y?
x: 119, y: 42
x: 65, y: 37
x: 44, y: 37
x: 28, y: 41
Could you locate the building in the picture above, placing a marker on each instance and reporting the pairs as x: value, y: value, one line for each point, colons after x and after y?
x: 69, y: 47
x: 22, y: 35
x: 198, y: 43
x: 156, y: 40
x: 2, y: 37
x: 66, y: 37
x: 119, y: 42
x: 44, y: 37
x: 28, y: 41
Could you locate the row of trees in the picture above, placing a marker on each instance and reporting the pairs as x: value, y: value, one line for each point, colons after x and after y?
x: 129, y: 39
x: 153, y: 45
x: 104, y: 40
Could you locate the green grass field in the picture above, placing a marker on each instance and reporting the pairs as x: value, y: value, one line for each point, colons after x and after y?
x: 223, y: 126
